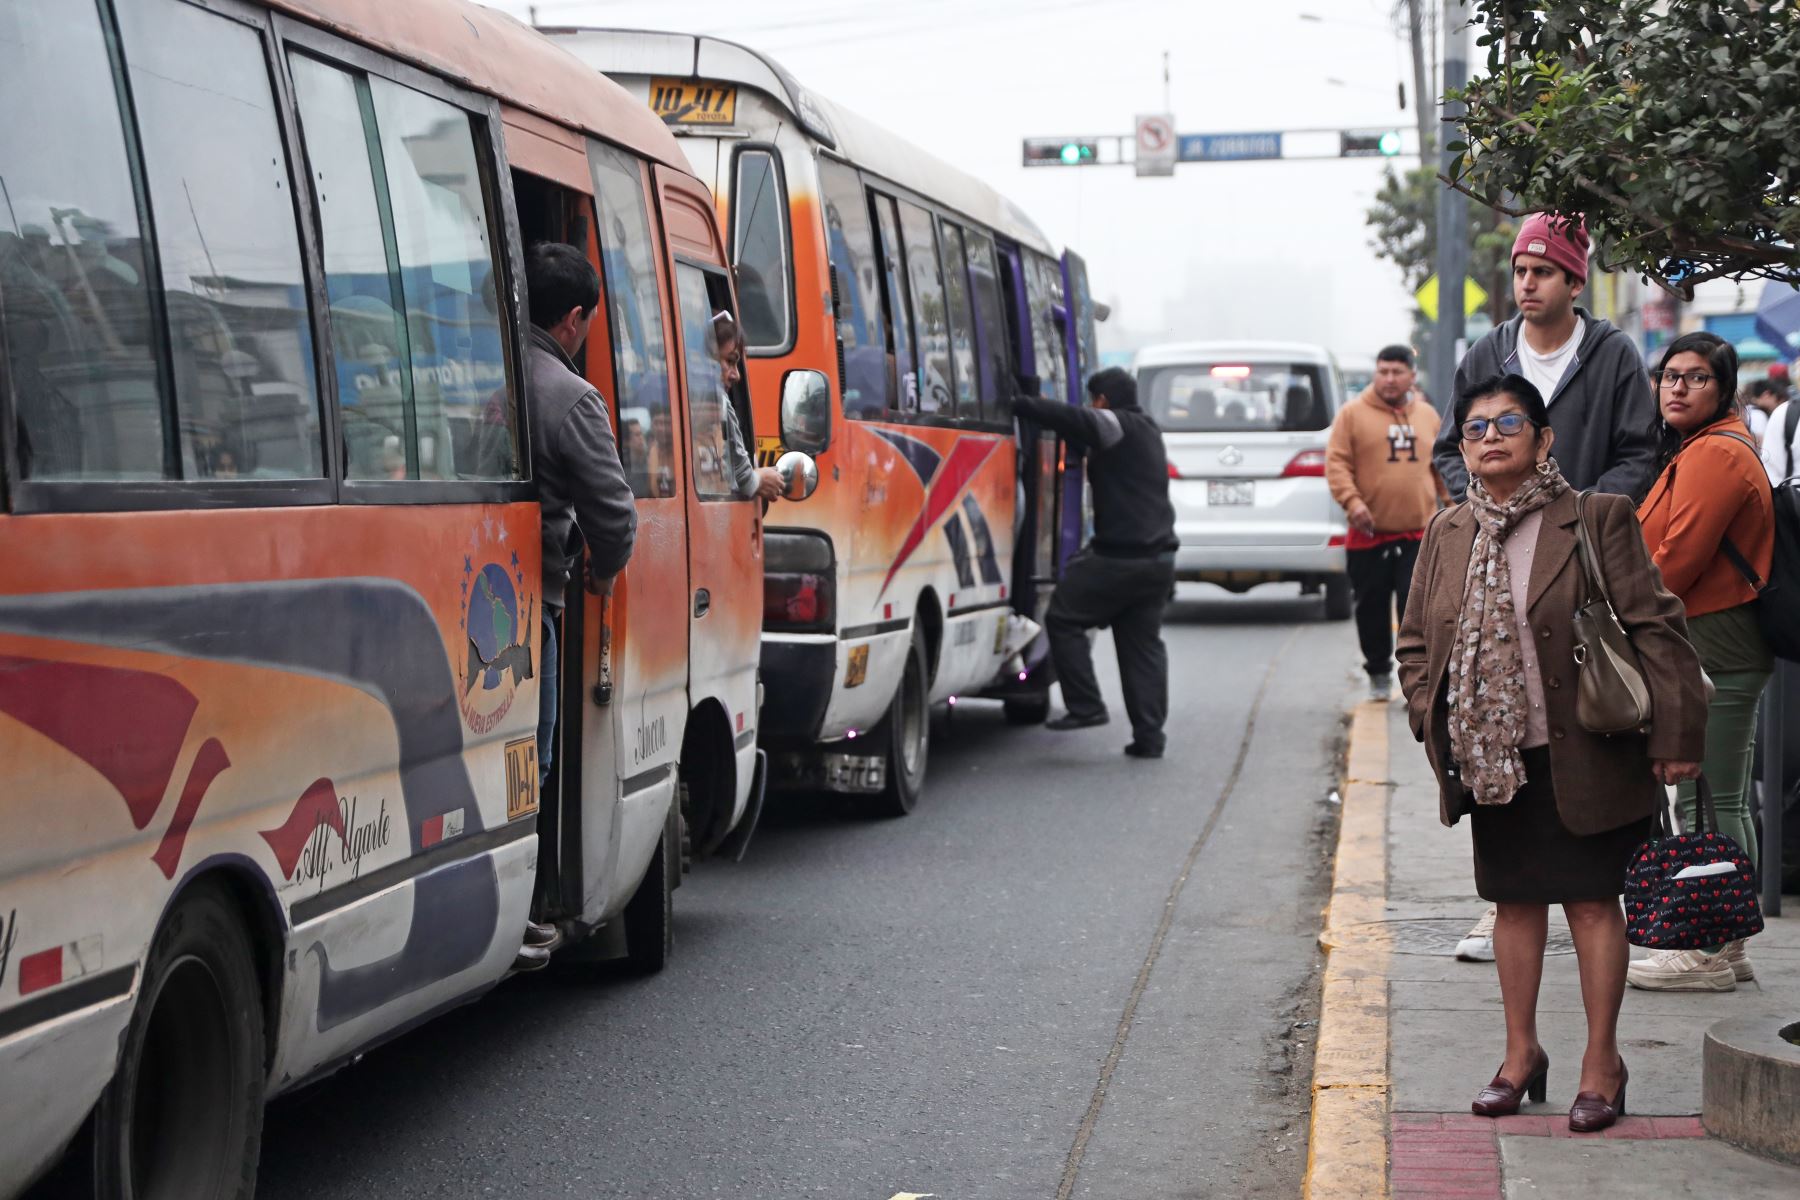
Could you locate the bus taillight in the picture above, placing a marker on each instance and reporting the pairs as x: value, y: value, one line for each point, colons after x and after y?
x: 799, y: 582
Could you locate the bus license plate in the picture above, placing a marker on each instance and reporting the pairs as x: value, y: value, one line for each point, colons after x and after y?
x: 856, y: 773
x: 693, y: 101
x: 1223, y: 493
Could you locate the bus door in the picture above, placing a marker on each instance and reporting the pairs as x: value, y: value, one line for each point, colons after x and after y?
x: 1034, y: 296
x: 1084, y: 359
x: 724, y: 598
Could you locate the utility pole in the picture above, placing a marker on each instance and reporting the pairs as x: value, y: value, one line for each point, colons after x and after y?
x: 1452, y: 217
x: 1423, y: 101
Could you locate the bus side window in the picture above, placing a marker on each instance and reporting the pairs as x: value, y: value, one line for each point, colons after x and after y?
x: 410, y: 275
x: 635, y: 316
x: 79, y: 334
x: 1043, y: 289
x: 936, y: 381
x: 990, y: 326
x: 227, y: 237
x: 850, y: 242
x: 962, y: 320
x: 760, y: 251
x: 903, y: 382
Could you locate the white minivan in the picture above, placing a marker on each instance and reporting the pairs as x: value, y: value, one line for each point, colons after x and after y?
x: 1245, y: 424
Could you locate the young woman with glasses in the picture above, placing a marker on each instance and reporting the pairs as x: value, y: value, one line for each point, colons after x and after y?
x: 1487, y: 661
x: 1711, y: 500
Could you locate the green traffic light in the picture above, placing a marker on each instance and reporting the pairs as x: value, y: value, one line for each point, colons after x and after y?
x: 1389, y: 143
x: 1071, y: 153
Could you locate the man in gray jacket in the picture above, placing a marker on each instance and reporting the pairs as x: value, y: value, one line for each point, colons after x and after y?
x: 581, y: 483
x: 1587, y: 369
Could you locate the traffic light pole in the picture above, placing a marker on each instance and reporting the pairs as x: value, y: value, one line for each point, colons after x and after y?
x: 1452, y: 220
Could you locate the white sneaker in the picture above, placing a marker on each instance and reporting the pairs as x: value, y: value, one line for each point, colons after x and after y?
x: 1381, y: 687
x: 1478, y: 944
x: 1682, y: 971
x: 1739, y: 958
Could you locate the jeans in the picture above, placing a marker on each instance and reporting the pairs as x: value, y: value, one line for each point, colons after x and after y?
x: 1380, y: 578
x: 547, y: 697
x: 1730, y: 735
x: 1128, y: 594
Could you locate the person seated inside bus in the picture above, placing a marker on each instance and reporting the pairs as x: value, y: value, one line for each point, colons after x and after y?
x: 748, y: 480
x: 581, y: 483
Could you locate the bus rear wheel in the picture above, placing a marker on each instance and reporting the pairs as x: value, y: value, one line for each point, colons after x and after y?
x: 650, y: 913
x: 906, y: 735
x: 182, y: 1117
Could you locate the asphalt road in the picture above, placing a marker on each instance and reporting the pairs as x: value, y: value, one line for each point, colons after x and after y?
x: 1068, y: 973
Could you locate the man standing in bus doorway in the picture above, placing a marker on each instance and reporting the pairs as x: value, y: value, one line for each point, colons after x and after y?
x: 582, y: 488
x: 1125, y: 577
x: 1378, y: 466
x: 1588, y: 372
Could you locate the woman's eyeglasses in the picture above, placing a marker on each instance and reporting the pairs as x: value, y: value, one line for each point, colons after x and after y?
x: 1509, y: 425
x: 1695, y: 379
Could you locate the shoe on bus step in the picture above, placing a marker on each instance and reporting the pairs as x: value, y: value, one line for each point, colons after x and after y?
x: 1478, y: 944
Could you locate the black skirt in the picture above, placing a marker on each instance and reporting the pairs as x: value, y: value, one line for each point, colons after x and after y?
x: 1525, y: 855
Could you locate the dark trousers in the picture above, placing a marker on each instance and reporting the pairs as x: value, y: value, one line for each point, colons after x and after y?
x: 1380, y: 578
x: 1127, y: 594
x: 548, y: 669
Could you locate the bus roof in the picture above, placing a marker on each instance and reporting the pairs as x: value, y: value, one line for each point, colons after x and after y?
x: 496, y: 54
x: 868, y: 145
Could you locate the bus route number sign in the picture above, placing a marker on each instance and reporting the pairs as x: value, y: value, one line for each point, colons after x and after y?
x: 693, y: 101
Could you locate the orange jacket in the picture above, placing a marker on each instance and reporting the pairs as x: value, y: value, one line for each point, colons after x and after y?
x: 1382, y: 456
x: 1715, y: 487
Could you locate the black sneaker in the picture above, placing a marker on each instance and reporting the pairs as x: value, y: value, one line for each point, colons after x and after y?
x: 1070, y: 721
x: 1139, y: 750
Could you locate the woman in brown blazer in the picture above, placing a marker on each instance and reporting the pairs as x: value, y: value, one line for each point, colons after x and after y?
x: 1487, y: 662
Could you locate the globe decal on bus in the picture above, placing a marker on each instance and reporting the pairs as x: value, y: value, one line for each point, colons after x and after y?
x: 493, y: 617
x: 496, y: 655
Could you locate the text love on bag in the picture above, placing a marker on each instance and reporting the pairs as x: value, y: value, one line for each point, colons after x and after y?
x: 1690, y: 891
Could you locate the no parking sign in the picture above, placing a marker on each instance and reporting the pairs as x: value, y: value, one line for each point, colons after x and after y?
x: 1156, y: 144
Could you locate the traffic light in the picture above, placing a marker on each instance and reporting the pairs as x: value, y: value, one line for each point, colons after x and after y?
x: 1061, y: 152
x: 1384, y: 143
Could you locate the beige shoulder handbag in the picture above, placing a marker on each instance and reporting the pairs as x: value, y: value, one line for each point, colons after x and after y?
x: 1611, y: 695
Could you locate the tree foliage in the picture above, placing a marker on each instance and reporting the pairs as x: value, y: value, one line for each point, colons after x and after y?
x: 1404, y: 220
x: 1673, y: 125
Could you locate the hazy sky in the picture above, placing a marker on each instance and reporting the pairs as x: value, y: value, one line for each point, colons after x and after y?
x: 1263, y: 249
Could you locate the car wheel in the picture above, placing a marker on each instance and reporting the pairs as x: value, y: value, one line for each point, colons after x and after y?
x: 1337, y: 598
x: 182, y: 1117
x: 650, y: 913
x: 906, y: 736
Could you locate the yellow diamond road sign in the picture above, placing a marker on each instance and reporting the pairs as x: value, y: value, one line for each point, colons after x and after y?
x: 1474, y: 296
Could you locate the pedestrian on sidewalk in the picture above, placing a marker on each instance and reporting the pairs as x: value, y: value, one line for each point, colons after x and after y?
x: 1761, y: 398
x: 1709, y: 519
x: 1592, y: 381
x: 1486, y: 652
x: 1388, y: 489
x: 1125, y: 577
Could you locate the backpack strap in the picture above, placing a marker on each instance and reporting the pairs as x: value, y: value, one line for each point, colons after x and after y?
x: 1789, y: 426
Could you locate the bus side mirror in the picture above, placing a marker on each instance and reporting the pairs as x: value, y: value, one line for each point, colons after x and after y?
x: 799, y: 475
x: 805, y: 412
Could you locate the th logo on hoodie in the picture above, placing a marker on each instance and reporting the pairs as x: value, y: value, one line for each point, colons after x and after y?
x: 1401, y: 441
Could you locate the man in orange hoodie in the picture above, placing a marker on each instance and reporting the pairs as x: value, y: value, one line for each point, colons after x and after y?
x: 1378, y: 466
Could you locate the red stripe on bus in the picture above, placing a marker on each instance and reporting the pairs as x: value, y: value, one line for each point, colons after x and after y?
x: 41, y: 970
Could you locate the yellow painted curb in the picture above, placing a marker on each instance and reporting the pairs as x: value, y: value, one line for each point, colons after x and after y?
x: 1347, y: 1149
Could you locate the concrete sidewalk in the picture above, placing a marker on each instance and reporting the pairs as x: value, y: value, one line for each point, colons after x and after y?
x: 1408, y: 1034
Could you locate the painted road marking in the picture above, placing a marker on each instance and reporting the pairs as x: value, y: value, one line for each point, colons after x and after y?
x: 1347, y: 1154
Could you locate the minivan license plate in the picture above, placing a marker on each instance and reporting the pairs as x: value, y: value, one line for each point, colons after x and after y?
x: 1225, y: 492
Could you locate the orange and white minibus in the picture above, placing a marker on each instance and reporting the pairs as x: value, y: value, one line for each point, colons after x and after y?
x: 899, y: 304
x: 270, y: 588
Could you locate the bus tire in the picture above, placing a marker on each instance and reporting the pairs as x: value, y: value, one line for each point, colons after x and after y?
x: 1337, y: 598
x: 650, y: 913
x: 1027, y: 710
x: 906, y: 735
x: 182, y: 1117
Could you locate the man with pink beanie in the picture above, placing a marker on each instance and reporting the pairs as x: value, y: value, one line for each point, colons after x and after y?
x: 1588, y: 371
x: 1590, y: 375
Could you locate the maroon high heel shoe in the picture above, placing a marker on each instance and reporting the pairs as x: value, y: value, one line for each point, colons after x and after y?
x: 1502, y: 1098
x: 1591, y: 1111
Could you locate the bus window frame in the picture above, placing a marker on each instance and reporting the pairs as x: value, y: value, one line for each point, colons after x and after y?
x: 786, y: 218
x: 503, y: 223
x: 26, y: 496
x: 739, y: 395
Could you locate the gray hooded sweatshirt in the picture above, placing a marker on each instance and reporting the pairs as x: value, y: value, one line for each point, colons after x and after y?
x: 1601, y: 411
x: 581, y: 484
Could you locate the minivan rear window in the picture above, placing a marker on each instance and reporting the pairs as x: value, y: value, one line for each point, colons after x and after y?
x: 1230, y: 397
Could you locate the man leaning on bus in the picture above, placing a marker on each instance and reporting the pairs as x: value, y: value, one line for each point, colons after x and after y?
x: 1126, y: 576
x: 581, y: 483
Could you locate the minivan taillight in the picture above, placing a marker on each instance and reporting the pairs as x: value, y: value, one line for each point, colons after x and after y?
x: 1307, y: 462
x: 799, y: 583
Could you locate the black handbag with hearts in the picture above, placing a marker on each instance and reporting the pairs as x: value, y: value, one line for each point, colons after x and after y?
x: 1690, y: 891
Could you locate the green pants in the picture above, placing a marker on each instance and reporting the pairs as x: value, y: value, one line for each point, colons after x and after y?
x: 1730, y: 740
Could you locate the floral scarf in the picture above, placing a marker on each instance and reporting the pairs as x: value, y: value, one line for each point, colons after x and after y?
x: 1487, y: 669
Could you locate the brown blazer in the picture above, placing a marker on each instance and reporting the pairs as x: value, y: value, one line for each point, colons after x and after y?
x: 1600, y: 782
